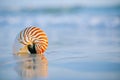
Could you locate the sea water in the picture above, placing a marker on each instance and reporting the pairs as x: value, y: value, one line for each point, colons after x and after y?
x: 84, y: 44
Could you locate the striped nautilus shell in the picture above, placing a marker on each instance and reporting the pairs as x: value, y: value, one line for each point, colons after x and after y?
x: 31, y: 40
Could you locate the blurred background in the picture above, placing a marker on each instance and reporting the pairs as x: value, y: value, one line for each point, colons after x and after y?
x: 84, y: 37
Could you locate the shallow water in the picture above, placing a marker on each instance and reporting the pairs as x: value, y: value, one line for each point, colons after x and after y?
x: 82, y: 46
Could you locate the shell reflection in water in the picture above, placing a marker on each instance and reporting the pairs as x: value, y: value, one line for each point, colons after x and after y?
x: 30, y: 40
x: 32, y: 66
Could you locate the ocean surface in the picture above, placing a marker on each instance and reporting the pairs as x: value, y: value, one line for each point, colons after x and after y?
x: 84, y: 44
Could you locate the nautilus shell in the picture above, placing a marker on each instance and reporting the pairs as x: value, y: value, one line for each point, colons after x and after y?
x: 31, y: 40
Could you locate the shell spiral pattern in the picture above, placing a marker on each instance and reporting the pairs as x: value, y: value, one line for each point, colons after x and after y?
x: 34, y: 39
